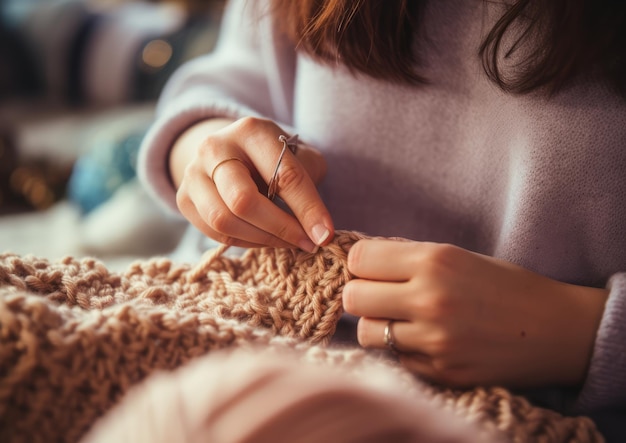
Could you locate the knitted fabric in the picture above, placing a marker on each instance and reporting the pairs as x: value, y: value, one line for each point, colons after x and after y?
x: 74, y: 337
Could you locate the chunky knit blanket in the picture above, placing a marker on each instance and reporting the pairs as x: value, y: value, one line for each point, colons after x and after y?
x: 74, y: 336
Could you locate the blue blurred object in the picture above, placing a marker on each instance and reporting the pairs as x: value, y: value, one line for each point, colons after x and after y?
x: 97, y: 175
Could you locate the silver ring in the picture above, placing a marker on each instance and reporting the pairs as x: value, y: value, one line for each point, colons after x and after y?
x: 388, y: 337
x: 290, y: 143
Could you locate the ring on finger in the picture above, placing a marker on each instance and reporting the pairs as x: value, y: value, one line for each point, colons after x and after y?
x: 290, y: 143
x: 221, y: 162
x: 388, y: 337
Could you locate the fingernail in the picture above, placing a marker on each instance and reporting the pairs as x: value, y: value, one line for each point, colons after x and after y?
x: 320, y: 234
x: 308, y: 246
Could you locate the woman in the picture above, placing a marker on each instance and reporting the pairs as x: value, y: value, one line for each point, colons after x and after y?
x: 490, y: 135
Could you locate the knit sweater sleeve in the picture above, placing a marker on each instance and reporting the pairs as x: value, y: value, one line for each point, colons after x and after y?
x: 605, y: 386
x: 249, y: 73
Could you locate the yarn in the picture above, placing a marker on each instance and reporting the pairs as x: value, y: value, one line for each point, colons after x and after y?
x: 75, y: 337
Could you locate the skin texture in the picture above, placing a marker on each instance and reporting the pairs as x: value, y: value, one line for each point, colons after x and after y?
x: 226, y: 200
x: 466, y: 319
x: 460, y: 318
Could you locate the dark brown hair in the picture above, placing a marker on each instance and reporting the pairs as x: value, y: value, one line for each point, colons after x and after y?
x: 554, y: 41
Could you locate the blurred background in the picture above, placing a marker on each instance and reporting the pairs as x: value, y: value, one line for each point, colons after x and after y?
x: 78, y: 83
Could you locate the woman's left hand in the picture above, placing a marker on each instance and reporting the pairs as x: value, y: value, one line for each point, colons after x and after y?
x: 464, y: 319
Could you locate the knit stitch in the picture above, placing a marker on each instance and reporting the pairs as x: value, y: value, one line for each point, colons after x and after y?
x: 74, y: 336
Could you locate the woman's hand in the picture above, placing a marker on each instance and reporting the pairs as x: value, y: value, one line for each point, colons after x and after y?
x: 222, y: 168
x: 465, y: 319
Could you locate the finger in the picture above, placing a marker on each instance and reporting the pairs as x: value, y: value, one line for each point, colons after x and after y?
x: 294, y: 185
x: 379, y: 259
x: 374, y: 299
x: 206, y: 211
x: 195, y: 219
x: 297, y: 190
x: 405, y: 335
x: 239, y: 193
x: 312, y: 161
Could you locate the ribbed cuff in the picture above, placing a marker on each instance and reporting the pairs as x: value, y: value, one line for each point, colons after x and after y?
x: 605, y: 386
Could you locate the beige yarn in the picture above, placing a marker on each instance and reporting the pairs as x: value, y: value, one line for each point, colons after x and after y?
x: 74, y: 337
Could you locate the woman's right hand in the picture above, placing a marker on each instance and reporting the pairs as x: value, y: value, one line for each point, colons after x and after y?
x: 222, y: 169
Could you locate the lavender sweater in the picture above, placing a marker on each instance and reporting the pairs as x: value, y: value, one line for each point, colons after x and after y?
x: 535, y: 181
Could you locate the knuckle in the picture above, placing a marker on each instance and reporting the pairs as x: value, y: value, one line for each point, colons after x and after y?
x: 415, y: 308
x: 191, y: 170
x: 218, y: 236
x: 309, y: 211
x: 290, y: 176
x: 421, y: 302
x: 435, y: 305
x: 227, y: 240
x: 240, y: 202
x: 182, y: 200
x: 442, y: 303
x: 212, y: 234
x: 209, y: 147
x: 438, y: 263
x: 444, y: 254
x: 251, y: 124
x: 224, y: 239
x: 439, y: 344
x: 219, y: 220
